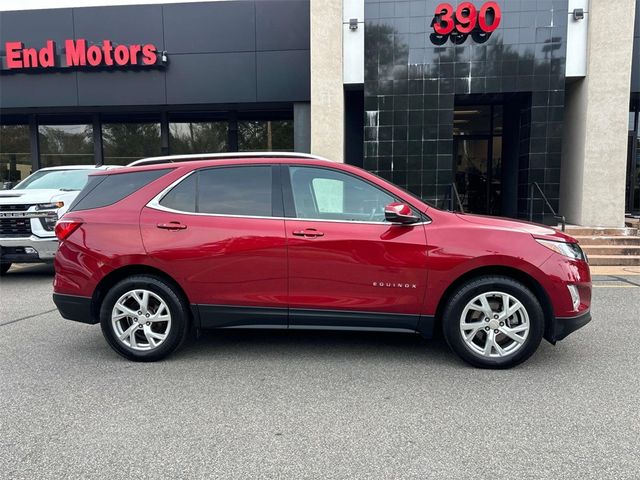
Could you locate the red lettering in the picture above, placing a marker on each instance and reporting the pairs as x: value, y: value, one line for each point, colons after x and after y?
x: 483, y: 19
x: 466, y: 15
x: 444, y: 24
x: 94, y: 55
x: 30, y: 57
x: 150, y: 54
x: 107, y: 49
x: 134, y: 50
x: 47, y: 55
x: 76, y: 52
x: 121, y: 55
x: 14, y: 59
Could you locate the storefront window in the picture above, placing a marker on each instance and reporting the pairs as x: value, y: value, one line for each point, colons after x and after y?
x: 123, y: 143
x: 199, y: 137
x: 66, y: 145
x: 15, y: 155
x: 265, y: 135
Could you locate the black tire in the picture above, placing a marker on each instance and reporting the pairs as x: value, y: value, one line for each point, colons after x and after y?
x: 465, y: 294
x: 4, y: 268
x: 173, y: 298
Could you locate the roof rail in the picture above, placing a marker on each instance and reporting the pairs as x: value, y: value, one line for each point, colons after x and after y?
x: 213, y: 156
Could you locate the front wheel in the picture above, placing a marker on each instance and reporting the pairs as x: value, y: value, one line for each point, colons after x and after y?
x: 493, y: 322
x: 144, y: 318
x: 4, y: 268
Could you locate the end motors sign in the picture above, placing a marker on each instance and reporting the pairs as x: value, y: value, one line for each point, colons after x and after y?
x: 78, y: 53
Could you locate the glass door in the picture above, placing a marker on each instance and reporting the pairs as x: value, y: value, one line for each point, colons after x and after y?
x: 477, y: 146
x: 472, y: 173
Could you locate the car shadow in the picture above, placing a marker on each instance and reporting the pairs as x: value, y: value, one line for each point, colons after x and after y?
x: 29, y: 271
x: 318, y: 344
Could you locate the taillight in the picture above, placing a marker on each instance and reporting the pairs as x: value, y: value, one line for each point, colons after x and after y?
x: 64, y: 228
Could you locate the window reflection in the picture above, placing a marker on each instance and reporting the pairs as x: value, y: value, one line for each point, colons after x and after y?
x: 123, y: 143
x: 265, y: 135
x: 66, y: 145
x: 199, y: 137
x: 15, y: 155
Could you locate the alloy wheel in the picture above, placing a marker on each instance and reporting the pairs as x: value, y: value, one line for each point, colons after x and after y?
x: 141, y: 320
x: 494, y: 324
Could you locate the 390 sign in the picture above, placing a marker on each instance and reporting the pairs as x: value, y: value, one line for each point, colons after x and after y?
x: 466, y: 19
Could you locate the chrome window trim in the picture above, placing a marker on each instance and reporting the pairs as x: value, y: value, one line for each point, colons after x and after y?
x: 155, y: 204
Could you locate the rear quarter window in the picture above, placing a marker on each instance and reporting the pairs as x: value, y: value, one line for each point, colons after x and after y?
x: 104, y: 190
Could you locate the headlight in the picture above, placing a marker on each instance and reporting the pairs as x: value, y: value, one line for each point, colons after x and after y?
x: 49, y: 222
x: 571, y: 250
x: 49, y: 206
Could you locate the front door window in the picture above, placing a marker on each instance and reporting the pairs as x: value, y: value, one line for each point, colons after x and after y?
x: 329, y: 195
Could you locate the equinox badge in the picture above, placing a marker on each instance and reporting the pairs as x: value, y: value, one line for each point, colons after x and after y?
x: 394, y: 285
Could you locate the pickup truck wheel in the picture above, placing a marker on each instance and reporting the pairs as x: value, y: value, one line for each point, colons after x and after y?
x: 144, y: 318
x: 4, y: 268
x: 493, y: 322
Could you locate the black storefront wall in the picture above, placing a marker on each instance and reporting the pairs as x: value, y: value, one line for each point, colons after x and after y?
x: 413, y: 83
x: 222, y: 57
x: 217, y: 52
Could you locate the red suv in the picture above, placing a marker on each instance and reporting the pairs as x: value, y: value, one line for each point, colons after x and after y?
x: 294, y: 241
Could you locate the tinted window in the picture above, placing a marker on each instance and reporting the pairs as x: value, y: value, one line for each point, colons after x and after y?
x: 235, y: 191
x: 113, y: 188
x: 182, y: 197
x: 330, y: 195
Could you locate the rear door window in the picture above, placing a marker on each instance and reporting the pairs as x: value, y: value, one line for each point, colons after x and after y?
x: 239, y: 191
x: 242, y: 191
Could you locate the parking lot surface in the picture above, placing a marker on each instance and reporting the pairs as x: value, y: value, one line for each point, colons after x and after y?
x: 313, y: 404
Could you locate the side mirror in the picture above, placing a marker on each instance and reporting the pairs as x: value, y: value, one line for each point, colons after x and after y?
x: 399, y: 213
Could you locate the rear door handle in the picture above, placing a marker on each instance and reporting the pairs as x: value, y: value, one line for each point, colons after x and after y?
x: 308, y: 232
x: 171, y: 226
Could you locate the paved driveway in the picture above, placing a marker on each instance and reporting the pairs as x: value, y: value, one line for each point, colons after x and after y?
x: 313, y: 405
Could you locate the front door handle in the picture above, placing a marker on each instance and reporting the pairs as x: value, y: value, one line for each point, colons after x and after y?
x: 309, y: 233
x: 171, y: 226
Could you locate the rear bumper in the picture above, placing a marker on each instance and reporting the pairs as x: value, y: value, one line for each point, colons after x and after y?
x: 563, y: 326
x: 30, y: 249
x: 75, y: 308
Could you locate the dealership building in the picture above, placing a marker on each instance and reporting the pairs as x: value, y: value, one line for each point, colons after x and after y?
x: 517, y: 108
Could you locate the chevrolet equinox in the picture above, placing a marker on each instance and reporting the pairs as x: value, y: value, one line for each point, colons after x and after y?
x: 293, y: 241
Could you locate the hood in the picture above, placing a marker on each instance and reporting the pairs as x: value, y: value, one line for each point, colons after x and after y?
x: 30, y: 197
x: 499, y: 223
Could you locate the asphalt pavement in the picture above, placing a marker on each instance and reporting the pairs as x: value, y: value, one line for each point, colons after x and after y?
x: 297, y: 405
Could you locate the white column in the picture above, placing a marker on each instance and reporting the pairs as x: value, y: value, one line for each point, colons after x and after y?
x: 592, y: 190
x: 327, y: 93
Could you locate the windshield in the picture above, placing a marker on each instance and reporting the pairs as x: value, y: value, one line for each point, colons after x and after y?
x: 55, y: 179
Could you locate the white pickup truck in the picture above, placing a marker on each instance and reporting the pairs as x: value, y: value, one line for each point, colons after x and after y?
x: 29, y: 212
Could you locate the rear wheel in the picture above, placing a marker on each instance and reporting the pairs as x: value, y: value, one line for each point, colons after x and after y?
x: 144, y: 318
x: 4, y: 268
x: 493, y: 322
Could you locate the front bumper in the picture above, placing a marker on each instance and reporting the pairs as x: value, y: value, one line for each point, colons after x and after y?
x: 75, y: 308
x: 563, y: 326
x: 30, y: 249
